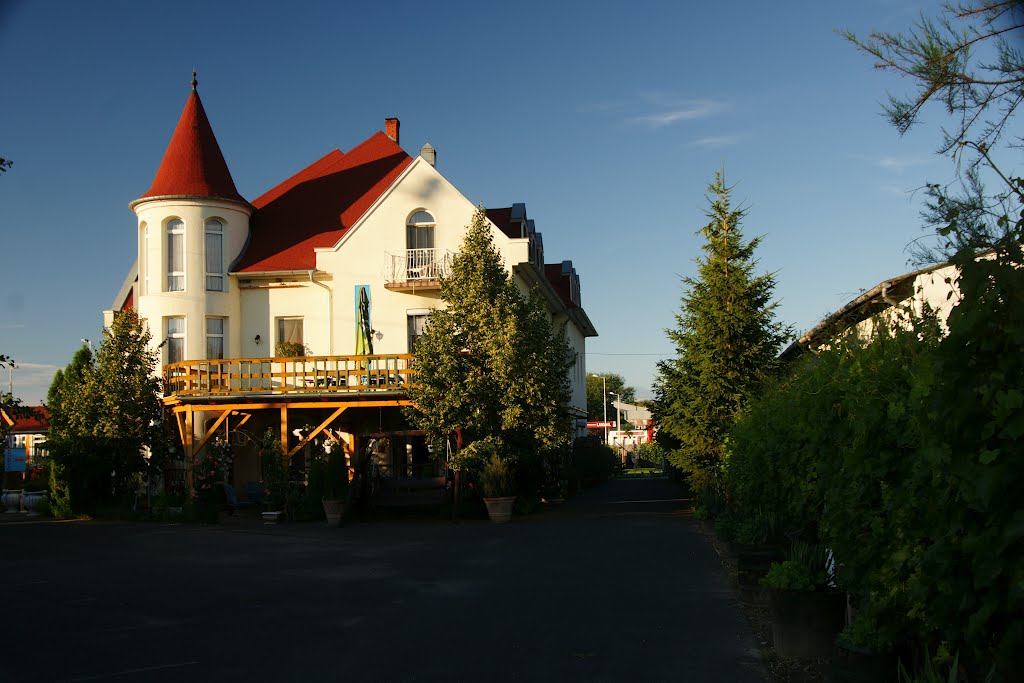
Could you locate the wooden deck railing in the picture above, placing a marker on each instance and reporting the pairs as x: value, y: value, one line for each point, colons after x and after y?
x: 309, y: 374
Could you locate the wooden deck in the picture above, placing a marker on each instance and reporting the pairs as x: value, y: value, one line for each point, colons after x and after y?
x: 308, y: 375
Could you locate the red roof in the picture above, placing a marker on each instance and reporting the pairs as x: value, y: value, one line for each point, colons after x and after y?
x: 193, y: 164
x: 316, y: 206
x: 28, y: 425
x: 502, y: 219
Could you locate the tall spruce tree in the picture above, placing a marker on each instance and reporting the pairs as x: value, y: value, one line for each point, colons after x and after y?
x: 726, y: 340
x: 489, y: 362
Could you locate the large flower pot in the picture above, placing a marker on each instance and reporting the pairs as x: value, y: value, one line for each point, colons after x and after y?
x: 334, y: 510
x: 754, y: 561
x: 854, y: 664
x: 11, y: 500
x: 31, y: 501
x: 272, y: 516
x: 805, y: 623
x: 500, y: 509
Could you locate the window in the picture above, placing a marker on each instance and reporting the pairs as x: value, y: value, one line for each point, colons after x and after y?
x: 419, y: 243
x: 214, y: 256
x: 175, y: 339
x: 289, y: 337
x: 214, y: 338
x: 417, y: 325
x: 175, y: 256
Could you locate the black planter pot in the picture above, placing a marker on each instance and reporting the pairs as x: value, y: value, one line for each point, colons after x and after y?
x: 805, y: 623
x: 854, y: 664
x: 753, y: 562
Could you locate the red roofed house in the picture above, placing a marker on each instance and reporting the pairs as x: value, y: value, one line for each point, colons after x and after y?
x: 27, y: 433
x: 342, y: 258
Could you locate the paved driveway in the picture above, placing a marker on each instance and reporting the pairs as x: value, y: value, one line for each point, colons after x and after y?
x: 616, y: 585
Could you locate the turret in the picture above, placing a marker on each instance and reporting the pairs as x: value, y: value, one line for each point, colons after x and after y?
x: 192, y: 225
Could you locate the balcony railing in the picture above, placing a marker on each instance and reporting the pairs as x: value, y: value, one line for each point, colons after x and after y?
x: 302, y: 375
x: 415, y: 265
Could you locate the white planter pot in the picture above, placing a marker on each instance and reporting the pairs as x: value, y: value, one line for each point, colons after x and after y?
x: 500, y: 509
x: 272, y: 517
x: 31, y: 501
x: 11, y: 500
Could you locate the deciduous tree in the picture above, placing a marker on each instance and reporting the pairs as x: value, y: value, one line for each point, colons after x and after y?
x: 105, y: 415
x: 489, y: 363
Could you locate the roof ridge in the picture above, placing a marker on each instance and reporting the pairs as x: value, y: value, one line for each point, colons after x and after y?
x: 317, y: 169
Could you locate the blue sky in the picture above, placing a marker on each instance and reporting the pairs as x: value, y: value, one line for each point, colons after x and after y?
x: 608, y: 119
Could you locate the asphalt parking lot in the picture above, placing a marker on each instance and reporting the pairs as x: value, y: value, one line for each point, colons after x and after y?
x: 614, y: 585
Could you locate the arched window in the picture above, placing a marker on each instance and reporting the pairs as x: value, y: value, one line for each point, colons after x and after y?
x: 175, y: 255
x: 214, y: 255
x: 419, y: 244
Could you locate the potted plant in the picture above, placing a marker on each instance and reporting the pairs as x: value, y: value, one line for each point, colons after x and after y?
x: 496, y: 478
x: 37, y: 485
x: 807, y: 609
x: 864, y: 653
x: 335, y: 487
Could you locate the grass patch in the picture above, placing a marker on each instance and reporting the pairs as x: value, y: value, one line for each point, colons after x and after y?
x: 640, y: 472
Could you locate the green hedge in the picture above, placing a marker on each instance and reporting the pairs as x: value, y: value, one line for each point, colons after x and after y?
x: 904, y: 456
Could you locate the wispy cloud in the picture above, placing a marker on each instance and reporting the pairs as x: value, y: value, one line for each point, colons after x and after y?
x: 31, y: 381
x: 12, y: 326
x: 891, y: 163
x: 716, y: 141
x: 899, y: 165
x: 682, y: 110
x: 894, y: 190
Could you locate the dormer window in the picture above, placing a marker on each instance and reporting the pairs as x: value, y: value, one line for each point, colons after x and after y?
x: 175, y: 255
x: 214, y: 256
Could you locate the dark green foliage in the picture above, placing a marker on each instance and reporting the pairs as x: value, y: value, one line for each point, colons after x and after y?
x: 726, y: 342
x: 594, y: 462
x: 489, y: 363
x: 600, y: 386
x: 906, y: 453
x: 335, y: 476
x: 104, y: 418
x: 316, y: 484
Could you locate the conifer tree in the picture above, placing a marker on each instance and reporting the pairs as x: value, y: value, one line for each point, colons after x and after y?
x: 489, y: 362
x: 726, y: 340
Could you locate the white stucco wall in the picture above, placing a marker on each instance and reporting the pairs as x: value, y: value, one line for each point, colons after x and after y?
x: 930, y: 289
x: 195, y: 304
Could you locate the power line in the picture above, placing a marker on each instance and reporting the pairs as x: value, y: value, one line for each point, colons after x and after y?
x: 663, y: 355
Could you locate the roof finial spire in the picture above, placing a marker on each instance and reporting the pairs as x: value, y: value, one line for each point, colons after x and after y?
x: 194, y: 81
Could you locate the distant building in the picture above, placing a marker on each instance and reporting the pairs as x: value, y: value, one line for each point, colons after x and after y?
x: 932, y: 287
x: 28, y: 434
x: 641, y: 429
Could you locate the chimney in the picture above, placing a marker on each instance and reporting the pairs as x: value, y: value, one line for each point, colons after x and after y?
x: 429, y: 154
x: 391, y: 129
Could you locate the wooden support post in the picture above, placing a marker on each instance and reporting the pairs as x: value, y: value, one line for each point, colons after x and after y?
x: 211, y: 430
x: 284, y: 428
x: 309, y: 437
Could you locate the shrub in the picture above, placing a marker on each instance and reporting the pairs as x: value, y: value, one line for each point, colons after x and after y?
x: 594, y: 462
x: 496, y: 478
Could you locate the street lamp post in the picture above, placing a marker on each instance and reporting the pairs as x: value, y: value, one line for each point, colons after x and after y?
x: 604, y: 403
x: 617, y: 425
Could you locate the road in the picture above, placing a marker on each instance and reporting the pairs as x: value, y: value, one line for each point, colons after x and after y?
x: 614, y: 585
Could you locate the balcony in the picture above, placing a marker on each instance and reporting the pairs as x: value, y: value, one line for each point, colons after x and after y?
x: 416, y: 269
x: 309, y: 375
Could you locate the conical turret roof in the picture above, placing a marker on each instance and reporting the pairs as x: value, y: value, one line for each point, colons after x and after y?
x: 193, y: 165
